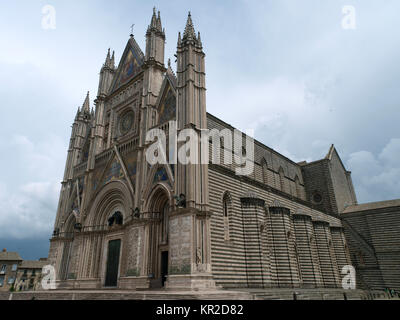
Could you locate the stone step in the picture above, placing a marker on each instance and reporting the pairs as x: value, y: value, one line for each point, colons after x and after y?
x: 240, y: 294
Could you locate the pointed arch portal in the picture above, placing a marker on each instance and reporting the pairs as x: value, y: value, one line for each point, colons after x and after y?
x: 159, y: 205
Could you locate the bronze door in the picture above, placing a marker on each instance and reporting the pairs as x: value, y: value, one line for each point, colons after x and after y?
x: 114, y: 247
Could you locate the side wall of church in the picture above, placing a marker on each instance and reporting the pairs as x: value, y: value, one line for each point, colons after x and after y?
x: 267, y: 165
x: 264, y: 246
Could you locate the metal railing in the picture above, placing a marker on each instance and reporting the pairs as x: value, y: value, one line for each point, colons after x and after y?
x: 142, y: 216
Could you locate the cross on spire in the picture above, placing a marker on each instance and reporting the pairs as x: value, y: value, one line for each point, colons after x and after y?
x: 132, y: 29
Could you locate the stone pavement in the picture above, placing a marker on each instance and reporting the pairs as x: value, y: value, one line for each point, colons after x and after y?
x: 237, y: 294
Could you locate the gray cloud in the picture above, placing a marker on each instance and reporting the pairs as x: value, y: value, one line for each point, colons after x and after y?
x: 29, y: 191
x: 377, y: 177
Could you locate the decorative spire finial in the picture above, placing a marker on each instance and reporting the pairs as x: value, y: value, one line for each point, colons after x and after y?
x: 108, y: 59
x: 113, y: 60
x: 155, y: 23
x: 189, y: 32
x: 179, y: 39
x: 86, y: 104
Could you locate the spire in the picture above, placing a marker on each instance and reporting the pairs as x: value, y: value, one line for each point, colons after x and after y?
x: 199, y: 39
x: 109, y: 63
x: 189, y: 32
x: 77, y: 113
x: 155, y: 24
x: 155, y: 41
x: 113, y: 60
x: 159, y: 26
x: 86, y: 104
x: 179, y: 39
x: 108, y: 56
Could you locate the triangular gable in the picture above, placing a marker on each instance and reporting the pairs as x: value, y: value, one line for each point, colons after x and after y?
x: 332, y: 154
x: 166, y: 103
x: 112, y: 171
x: 129, y: 66
x: 158, y: 174
x: 115, y: 169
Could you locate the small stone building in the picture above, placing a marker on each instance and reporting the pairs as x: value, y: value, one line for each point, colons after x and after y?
x: 29, y: 275
x: 17, y: 274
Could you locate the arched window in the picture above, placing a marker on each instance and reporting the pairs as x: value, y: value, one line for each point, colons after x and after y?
x: 227, y: 208
x: 298, y: 187
x: 116, y: 219
x: 264, y: 167
x: 282, y: 179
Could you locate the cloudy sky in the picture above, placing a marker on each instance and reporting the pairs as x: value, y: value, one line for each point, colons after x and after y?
x: 285, y: 68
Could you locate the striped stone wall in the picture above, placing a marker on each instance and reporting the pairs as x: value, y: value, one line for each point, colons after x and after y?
x: 274, y: 240
x: 284, y: 265
x: 254, y: 242
x: 341, y: 248
x: 307, y: 251
x: 374, y: 242
x: 326, y: 253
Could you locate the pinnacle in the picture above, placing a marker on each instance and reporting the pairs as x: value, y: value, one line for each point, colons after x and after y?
x: 113, y: 60
x: 189, y: 29
x: 109, y: 60
x: 199, y: 38
x: 86, y: 104
x: 155, y: 23
x: 179, y: 39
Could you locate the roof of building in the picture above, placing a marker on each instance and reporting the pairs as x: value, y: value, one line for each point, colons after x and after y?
x: 9, y: 256
x: 32, y: 264
x: 372, y: 206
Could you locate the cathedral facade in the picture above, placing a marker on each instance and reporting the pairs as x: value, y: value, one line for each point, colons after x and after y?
x: 125, y: 223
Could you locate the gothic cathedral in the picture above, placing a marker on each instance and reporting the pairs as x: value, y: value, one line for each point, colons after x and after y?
x: 125, y: 223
